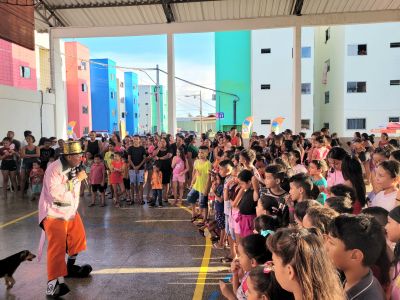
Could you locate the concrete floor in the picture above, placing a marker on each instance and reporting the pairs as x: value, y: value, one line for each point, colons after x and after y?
x: 136, y: 252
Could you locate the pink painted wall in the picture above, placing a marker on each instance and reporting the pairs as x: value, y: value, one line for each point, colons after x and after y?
x: 12, y: 57
x: 76, y: 98
x: 6, y: 66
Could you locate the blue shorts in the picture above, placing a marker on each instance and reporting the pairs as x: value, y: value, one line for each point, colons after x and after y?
x: 136, y: 177
x: 194, y: 195
x: 36, y: 188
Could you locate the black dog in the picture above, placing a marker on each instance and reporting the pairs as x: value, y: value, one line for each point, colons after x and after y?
x: 11, y: 263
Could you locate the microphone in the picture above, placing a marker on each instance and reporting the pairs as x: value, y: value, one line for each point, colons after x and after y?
x: 81, y: 168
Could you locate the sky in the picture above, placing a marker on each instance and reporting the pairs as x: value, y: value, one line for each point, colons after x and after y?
x: 194, y: 61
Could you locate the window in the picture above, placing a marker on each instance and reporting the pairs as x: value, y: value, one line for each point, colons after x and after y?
x: 328, y: 65
x: 354, y: 50
x: 85, y: 130
x: 134, y: 87
x: 265, y: 122
x: 84, y: 87
x: 326, y: 125
x: 121, y: 84
x: 305, y: 124
x: 24, y: 72
x: 112, y: 76
x: 327, y: 97
x: 356, y: 123
x: 395, y: 82
x: 327, y: 34
x: 135, y: 115
x: 394, y: 119
x: 122, y: 100
x: 305, y: 52
x: 306, y: 88
x: 82, y: 65
x: 122, y: 115
x: 147, y: 103
x: 85, y: 109
x: 356, y: 87
x: 112, y: 95
x: 265, y: 86
x: 265, y: 50
x: 113, y: 112
x: 395, y: 45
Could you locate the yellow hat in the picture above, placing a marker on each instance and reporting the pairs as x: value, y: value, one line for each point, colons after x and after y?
x: 72, y: 148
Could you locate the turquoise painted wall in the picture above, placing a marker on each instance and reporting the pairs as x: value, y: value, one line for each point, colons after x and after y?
x: 233, y: 75
x: 163, y: 109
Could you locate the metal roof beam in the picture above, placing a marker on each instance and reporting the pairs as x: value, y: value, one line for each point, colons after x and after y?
x: 297, y: 7
x: 47, y: 14
x: 123, y: 3
x: 166, y: 4
x: 227, y: 25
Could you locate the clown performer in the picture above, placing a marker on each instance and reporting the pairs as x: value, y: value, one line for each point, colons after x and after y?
x: 59, y: 219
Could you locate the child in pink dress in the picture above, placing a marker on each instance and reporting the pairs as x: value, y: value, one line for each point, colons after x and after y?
x: 180, y: 167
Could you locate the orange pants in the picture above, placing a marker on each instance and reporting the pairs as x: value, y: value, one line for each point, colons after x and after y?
x: 63, y: 237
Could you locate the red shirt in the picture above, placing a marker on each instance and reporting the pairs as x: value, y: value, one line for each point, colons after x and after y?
x: 6, y: 151
x: 97, y: 172
x: 235, y: 141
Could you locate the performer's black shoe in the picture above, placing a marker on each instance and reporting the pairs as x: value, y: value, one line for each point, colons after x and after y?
x: 56, y: 289
x: 79, y: 271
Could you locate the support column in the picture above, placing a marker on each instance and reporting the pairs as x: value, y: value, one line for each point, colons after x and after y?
x: 58, y: 79
x: 296, y: 99
x: 171, y: 85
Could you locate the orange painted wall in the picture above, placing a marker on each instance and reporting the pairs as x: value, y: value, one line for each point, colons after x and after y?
x: 76, y: 56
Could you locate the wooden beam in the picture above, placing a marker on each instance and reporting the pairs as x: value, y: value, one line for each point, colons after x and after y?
x: 231, y: 25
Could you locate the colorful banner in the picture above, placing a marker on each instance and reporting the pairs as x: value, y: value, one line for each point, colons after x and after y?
x: 246, y: 127
x: 276, y: 123
x: 70, y: 129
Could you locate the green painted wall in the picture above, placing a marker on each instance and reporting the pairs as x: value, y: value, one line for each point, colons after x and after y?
x: 153, y: 110
x: 163, y: 109
x: 233, y: 75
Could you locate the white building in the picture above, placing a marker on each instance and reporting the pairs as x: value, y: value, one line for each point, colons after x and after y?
x: 121, y: 98
x: 272, y: 78
x: 357, y: 77
x: 145, y: 108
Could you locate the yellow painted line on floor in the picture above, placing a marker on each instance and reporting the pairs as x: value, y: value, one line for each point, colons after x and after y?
x: 186, y: 209
x: 194, y: 283
x: 204, y: 268
x: 156, y: 221
x: 160, y: 270
x: 18, y: 219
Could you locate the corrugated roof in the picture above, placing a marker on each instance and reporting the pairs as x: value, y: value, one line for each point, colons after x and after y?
x: 133, y: 12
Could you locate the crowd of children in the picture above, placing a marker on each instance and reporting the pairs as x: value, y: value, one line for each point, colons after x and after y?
x: 301, y: 219
x: 295, y: 218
